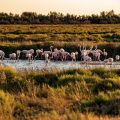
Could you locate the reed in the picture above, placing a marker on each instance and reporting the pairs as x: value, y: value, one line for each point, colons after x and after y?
x: 58, y: 94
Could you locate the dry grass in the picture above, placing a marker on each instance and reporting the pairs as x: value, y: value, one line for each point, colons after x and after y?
x: 60, y: 95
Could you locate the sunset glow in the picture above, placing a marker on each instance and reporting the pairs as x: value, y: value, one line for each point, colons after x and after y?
x: 64, y: 6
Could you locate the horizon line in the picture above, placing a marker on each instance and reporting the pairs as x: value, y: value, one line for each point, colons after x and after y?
x: 38, y: 13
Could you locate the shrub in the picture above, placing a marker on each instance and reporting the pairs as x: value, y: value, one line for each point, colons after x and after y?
x: 79, y: 91
x: 92, y: 79
x: 104, y: 73
x: 79, y: 71
x: 105, y: 85
x: 101, y: 104
x: 6, y: 103
x: 10, y: 73
x: 48, y: 78
x: 65, y: 79
x: 19, y: 110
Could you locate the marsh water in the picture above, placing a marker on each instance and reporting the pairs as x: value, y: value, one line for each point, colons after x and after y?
x: 40, y: 64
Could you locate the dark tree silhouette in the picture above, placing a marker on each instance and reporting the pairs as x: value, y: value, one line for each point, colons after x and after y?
x: 59, y: 18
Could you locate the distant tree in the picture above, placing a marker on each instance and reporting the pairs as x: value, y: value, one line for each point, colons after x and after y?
x: 58, y: 18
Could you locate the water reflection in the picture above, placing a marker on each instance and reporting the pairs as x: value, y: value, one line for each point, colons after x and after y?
x: 40, y: 64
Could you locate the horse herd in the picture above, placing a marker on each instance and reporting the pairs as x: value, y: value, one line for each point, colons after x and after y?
x: 84, y: 54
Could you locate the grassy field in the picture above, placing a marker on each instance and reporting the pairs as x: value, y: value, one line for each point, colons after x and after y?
x: 74, y: 94
x: 65, y: 33
x: 13, y: 37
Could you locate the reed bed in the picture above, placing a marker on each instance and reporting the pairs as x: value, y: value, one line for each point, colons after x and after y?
x: 13, y: 37
x: 65, y: 95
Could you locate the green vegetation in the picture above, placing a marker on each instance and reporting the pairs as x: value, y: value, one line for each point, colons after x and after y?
x: 13, y: 37
x: 59, y: 18
x: 65, y: 95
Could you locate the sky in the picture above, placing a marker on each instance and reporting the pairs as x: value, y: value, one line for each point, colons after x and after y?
x: 78, y: 7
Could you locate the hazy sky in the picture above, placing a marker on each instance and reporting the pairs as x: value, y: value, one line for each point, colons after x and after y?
x: 64, y: 6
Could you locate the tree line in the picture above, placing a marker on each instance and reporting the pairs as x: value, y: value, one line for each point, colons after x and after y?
x: 59, y: 18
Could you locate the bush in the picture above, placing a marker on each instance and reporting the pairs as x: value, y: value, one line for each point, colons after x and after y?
x: 48, y: 78
x: 92, y: 79
x: 101, y: 105
x: 105, y: 85
x: 9, y: 73
x: 104, y: 73
x: 34, y: 93
x: 6, y: 103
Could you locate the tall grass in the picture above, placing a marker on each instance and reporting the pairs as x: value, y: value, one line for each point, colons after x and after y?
x: 66, y: 95
x: 13, y: 37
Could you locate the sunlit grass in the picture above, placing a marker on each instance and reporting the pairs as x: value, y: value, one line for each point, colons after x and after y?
x: 54, y: 94
x: 66, y: 36
x: 68, y: 94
